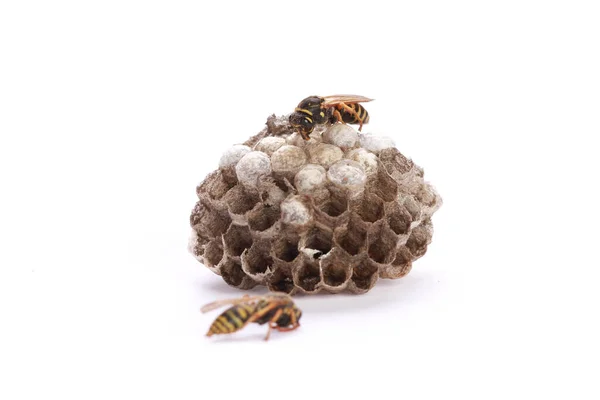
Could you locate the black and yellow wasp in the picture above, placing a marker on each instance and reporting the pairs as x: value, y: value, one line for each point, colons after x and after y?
x: 275, y: 309
x: 314, y: 110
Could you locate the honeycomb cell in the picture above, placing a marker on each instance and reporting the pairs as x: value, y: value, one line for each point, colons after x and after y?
x: 270, y: 144
x: 347, y: 174
x: 383, y: 185
x: 241, y: 200
x: 233, y: 155
x: 237, y: 239
x: 308, y: 276
x: 382, y: 243
x: 352, y: 238
x: 213, y: 253
x: 395, y: 163
x: 233, y: 275
x: 252, y: 167
x: 364, y: 275
x: 263, y: 218
x: 197, y: 214
x: 370, y: 208
x: 333, y: 208
x: 281, y: 281
x: 197, y: 245
x: 413, y: 207
x: 215, y: 185
x: 286, y: 248
x: 257, y: 261
x: 399, y: 219
x: 318, y: 239
x: 401, y: 265
x: 295, y: 212
x: 418, y: 240
x: 288, y: 159
x: 376, y: 143
x: 324, y: 154
x: 295, y: 139
x: 367, y: 160
x: 310, y: 178
x: 284, y: 184
x: 335, y: 205
x: 340, y: 135
x: 336, y: 273
x: 210, y: 221
x: 425, y: 195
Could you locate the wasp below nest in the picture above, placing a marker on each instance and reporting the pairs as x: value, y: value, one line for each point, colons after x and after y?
x: 276, y: 309
x: 316, y: 110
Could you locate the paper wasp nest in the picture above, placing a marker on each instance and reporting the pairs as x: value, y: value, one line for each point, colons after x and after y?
x: 333, y: 213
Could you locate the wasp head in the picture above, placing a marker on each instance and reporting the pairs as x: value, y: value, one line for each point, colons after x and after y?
x: 302, y: 123
x: 306, y: 115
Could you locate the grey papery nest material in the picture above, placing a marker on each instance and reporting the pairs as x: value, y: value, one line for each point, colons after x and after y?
x: 333, y: 213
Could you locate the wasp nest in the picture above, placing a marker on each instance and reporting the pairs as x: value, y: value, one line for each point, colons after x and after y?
x: 333, y: 213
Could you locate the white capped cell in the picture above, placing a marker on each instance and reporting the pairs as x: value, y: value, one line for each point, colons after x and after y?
x: 270, y: 144
x: 376, y: 143
x: 365, y: 158
x: 347, y: 173
x: 233, y: 155
x: 288, y: 159
x: 324, y: 154
x: 253, y: 166
x: 310, y: 178
x: 341, y: 135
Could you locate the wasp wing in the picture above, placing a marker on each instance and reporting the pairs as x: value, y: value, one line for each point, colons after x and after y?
x: 220, y: 303
x: 344, y: 98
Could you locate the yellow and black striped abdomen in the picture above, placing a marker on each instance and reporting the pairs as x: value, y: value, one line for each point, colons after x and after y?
x: 231, y: 320
x: 358, y: 115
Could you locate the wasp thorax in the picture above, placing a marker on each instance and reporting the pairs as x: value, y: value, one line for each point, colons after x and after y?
x: 310, y: 102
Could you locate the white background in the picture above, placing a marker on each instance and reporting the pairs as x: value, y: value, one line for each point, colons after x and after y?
x: 112, y: 111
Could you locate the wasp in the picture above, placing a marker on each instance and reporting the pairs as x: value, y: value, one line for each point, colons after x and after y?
x: 275, y: 309
x: 314, y: 110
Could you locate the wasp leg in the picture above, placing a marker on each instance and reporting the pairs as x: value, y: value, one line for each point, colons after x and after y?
x: 275, y: 318
x: 280, y: 329
x: 352, y: 111
x: 287, y: 329
x: 304, y: 135
x: 294, y: 322
x: 338, y: 116
x: 268, y: 332
x: 258, y: 315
